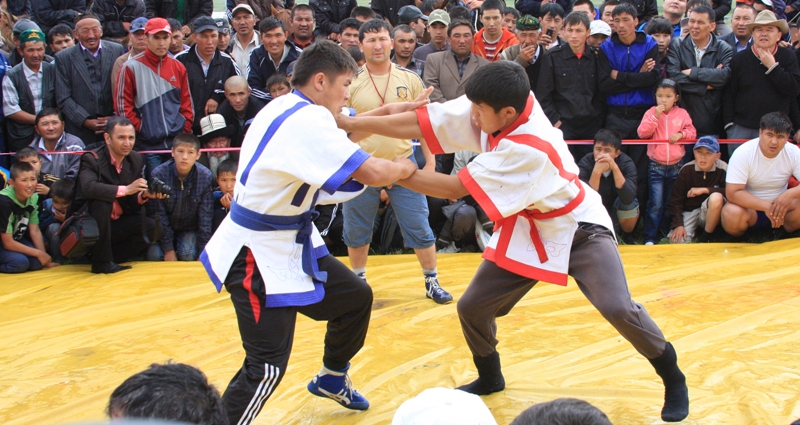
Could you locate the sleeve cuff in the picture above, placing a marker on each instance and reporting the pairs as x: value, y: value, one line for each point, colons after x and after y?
x: 771, y: 68
x: 121, y: 191
x: 345, y: 171
x: 427, y: 131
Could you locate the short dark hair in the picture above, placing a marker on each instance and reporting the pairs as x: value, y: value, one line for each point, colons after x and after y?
x: 777, y: 122
x: 608, y: 137
x: 458, y: 13
x: 188, y: 139
x: 363, y: 12
x: 668, y: 83
x: 277, y: 78
x: 658, y: 25
x: 458, y: 23
x: 607, y: 3
x: 402, y: 28
x: 373, y: 25
x: 115, y: 122
x: 575, y: 18
x: 323, y: 56
x: 356, y: 53
x: 512, y: 11
x: 63, y: 189
x: 499, y: 84
x: 580, y: 2
x: 300, y: 7
x: 625, y: 8
x: 59, y: 30
x: 349, y: 23
x: 19, y: 168
x: 25, y: 152
x: 174, y: 25
x: 712, y: 16
x: 427, y: 6
x: 691, y: 4
x: 171, y: 391
x: 269, y: 24
x: 562, y: 411
x: 47, y: 112
x: 552, y: 9
x: 746, y: 6
x: 228, y: 166
x: 492, y: 5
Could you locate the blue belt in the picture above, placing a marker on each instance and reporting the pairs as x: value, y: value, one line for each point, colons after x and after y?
x: 302, y: 223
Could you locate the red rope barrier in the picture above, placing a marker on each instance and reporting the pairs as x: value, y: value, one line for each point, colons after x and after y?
x: 569, y: 142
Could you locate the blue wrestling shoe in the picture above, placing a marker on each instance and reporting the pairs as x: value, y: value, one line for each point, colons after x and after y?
x: 435, y: 292
x: 336, y: 385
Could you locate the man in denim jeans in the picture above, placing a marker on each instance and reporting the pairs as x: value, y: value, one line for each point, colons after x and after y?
x: 378, y: 82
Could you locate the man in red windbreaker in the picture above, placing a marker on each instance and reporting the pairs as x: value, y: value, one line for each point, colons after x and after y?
x: 153, y: 92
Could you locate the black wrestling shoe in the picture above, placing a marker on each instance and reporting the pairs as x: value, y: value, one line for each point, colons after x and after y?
x: 676, y: 393
x: 108, y: 267
x: 490, y: 378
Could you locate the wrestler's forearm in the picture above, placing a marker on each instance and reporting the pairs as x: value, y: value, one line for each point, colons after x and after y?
x: 399, y: 126
x: 435, y: 184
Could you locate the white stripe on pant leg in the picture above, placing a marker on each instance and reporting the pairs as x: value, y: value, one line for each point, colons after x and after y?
x: 274, y: 372
x: 262, y: 386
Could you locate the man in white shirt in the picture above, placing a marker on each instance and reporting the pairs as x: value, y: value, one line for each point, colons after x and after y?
x: 756, y: 184
x: 246, y: 38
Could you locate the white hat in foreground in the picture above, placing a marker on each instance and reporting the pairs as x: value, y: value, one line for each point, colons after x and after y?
x: 444, y: 406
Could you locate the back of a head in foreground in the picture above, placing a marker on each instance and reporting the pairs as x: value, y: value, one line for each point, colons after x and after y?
x: 498, y: 85
x: 172, y: 391
x: 443, y: 406
x: 562, y: 411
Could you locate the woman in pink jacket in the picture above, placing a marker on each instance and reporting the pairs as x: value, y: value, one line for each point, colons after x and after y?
x: 665, y: 121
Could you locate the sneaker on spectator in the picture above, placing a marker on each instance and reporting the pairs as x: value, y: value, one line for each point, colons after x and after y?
x: 649, y: 243
x: 435, y: 292
x: 449, y: 249
x: 337, y: 386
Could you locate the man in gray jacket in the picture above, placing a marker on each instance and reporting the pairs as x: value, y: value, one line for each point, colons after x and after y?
x: 700, y: 63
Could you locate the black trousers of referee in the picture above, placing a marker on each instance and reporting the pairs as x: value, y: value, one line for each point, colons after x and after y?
x: 267, y: 333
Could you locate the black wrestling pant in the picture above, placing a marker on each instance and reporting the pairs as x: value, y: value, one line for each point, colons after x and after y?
x: 267, y: 333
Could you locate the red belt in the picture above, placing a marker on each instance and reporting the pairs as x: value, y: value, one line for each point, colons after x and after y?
x: 532, y: 215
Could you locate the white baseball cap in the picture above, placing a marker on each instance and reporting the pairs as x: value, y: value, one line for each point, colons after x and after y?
x: 443, y: 406
x: 599, y: 27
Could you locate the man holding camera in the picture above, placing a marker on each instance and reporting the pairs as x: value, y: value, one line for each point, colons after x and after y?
x: 111, y: 189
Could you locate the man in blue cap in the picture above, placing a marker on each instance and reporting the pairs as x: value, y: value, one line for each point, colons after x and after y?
x: 137, y: 43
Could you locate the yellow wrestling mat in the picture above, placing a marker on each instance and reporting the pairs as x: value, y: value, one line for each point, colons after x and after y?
x: 732, y: 311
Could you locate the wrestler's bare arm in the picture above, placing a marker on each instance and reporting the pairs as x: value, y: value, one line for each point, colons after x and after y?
x: 435, y: 184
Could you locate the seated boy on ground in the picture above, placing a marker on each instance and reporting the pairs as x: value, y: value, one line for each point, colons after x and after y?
x: 22, y: 247
x: 187, y: 213
x: 43, y: 181
x: 612, y: 174
x: 226, y: 181
x: 756, y: 182
x: 697, y: 196
x: 61, y: 194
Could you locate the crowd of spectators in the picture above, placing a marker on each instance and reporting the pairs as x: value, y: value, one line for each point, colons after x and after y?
x: 129, y: 81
